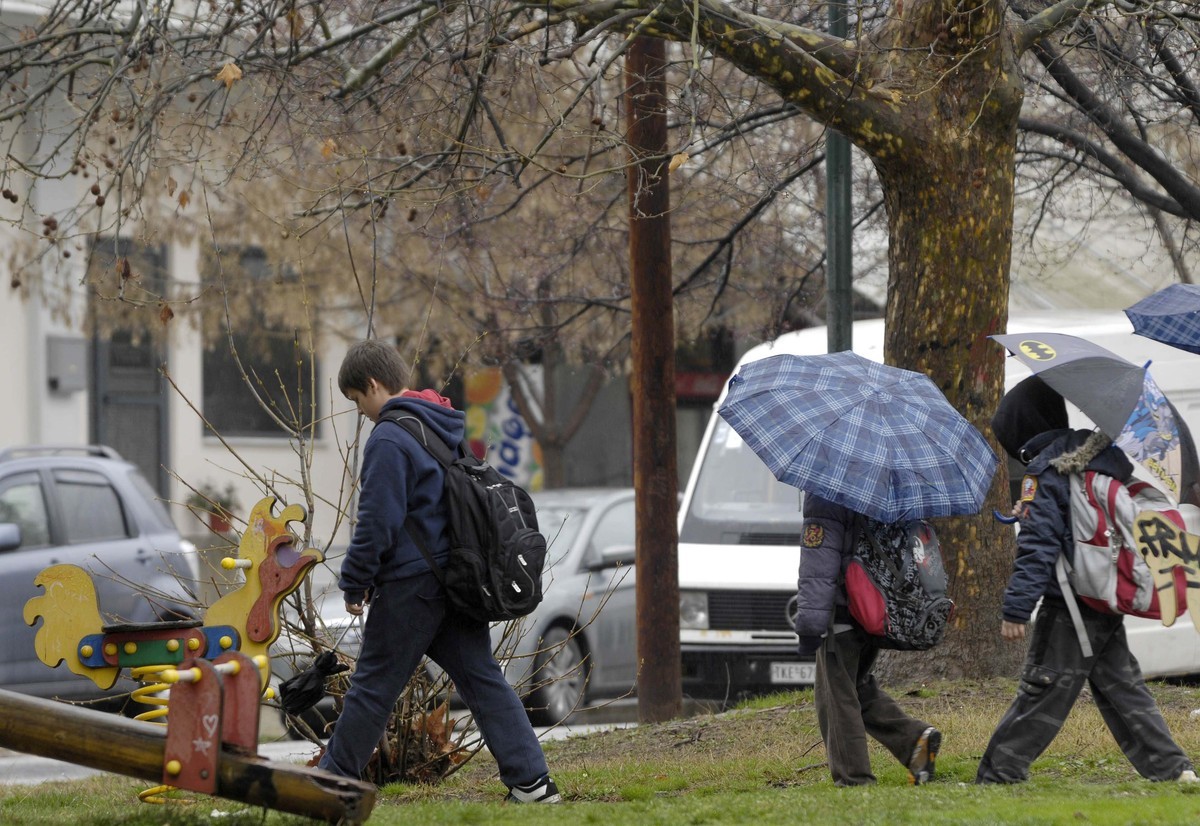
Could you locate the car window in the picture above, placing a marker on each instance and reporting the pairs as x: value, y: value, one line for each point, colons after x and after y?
x: 23, y: 502
x: 91, y: 508
x: 736, y: 500
x: 616, y: 527
x: 157, y: 509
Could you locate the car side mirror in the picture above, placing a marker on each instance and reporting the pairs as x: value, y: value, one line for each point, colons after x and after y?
x: 10, y: 536
x: 614, y: 555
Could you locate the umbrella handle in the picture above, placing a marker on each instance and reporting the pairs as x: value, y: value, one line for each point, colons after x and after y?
x: 1007, y: 520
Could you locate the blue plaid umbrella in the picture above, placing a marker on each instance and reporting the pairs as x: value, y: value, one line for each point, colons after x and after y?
x: 879, y: 440
x: 1171, y: 315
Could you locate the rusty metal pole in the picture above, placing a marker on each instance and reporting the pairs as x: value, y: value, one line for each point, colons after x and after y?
x: 655, y: 477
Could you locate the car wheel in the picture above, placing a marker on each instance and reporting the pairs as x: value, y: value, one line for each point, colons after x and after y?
x: 560, y: 672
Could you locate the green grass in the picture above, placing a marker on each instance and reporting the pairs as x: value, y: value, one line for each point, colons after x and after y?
x: 761, y: 764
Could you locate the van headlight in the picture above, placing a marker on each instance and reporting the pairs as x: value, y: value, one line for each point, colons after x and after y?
x: 693, y: 610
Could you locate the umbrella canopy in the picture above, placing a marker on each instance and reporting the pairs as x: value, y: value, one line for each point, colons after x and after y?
x: 879, y: 440
x: 303, y: 691
x: 1119, y: 396
x: 1171, y: 315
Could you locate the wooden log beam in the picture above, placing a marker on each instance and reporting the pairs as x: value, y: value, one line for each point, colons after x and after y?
x: 115, y: 744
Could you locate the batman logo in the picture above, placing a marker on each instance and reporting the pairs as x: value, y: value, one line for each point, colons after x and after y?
x: 1037, y: 350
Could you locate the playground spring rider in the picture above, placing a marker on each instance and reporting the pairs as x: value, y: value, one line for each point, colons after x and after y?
x: 208, y: 674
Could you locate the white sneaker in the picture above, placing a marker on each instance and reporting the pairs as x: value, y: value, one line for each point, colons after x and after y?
x: 543, y: 791
x: 1188, y: 776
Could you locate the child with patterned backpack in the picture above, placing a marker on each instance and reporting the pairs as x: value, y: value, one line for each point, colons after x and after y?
x: 1031, y: 424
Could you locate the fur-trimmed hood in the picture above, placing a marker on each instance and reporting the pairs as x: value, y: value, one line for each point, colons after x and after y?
x: 1074, y: 451
x: 1076, y: 461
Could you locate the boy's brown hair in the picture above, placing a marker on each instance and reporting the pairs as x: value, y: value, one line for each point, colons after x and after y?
x: 372, y: 359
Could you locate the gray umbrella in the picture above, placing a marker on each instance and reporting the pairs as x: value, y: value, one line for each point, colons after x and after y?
x: 1119, y: 396
x: 1103, y: 385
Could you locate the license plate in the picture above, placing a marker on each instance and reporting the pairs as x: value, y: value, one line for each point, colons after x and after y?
x: 793, y: 673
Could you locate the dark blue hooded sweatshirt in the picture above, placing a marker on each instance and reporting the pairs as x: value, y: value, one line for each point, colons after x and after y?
x: 399, y: 478
x: 1031, y: 425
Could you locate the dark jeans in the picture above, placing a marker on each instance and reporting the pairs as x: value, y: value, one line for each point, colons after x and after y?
x: 408, y: 619
x: 851, y: 705
x: 1054, y: 673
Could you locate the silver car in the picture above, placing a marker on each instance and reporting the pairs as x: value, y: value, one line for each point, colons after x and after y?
x: 84, y: 506
x: 580, y: 644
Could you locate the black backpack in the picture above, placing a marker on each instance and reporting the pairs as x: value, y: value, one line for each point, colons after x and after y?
x: 494, y: 572
x: 896, y: 584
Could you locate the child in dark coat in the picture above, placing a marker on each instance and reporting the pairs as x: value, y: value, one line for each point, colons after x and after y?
x: 850, y: 704
x: 409, y: 617
x: 1031, y: 424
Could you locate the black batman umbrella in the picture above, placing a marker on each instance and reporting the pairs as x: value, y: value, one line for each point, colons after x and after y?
x: 300, y: 693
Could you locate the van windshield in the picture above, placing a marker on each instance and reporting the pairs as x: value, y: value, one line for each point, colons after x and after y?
x: 737, y: 501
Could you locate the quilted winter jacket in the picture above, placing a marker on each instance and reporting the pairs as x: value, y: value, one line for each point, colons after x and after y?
x: 1045, y: 516
x: 824, y: 551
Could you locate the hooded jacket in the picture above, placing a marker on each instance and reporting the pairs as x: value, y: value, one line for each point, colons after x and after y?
x: 400, y: 478
x: 1045, y: 511
x: 1031, y: 425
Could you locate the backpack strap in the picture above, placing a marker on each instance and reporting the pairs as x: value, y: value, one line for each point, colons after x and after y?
x: 853, y: 531
x: 445, y: 457
x: 1060, y: 568
x: 436, y: 447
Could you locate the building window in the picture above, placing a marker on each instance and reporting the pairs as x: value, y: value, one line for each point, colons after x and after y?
x: 265, y: 370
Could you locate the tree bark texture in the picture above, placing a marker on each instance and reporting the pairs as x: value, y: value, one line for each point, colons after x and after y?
x: 950, y: 209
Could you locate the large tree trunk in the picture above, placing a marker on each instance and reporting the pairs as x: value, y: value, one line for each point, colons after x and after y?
x: 950, y: 210
x: 949, y: 264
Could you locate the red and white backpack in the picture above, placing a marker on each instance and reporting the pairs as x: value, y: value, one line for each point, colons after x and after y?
x: 1108, y: 573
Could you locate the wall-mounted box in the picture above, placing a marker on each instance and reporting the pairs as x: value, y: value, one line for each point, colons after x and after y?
x: 66, y: 364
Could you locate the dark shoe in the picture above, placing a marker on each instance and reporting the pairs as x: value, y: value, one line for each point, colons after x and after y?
x: 921, y: 764
x: 543, y: 791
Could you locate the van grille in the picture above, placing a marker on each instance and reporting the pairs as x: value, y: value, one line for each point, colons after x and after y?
x: 748, y: 610
x: 769, y: 539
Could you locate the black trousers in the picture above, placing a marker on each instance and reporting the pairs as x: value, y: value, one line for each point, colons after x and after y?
x: 851, y: 705
x: 1053, y: 675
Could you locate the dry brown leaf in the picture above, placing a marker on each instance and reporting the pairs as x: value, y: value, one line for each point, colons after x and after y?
x: 229, y: 74
x: 435, y: 725
x: 171, y: 185
x: 165, y: 314
x: 124, y: 271
x: 678, y: 160
x: 185, y: 198
x: 328, y: 148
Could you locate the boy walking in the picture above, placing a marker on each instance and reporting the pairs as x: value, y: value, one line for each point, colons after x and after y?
x: 1031, y: 424
x: 409, y: 617
x: 850, y: 704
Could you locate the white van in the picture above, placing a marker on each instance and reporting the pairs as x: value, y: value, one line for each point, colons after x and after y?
x: 736, y: 609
